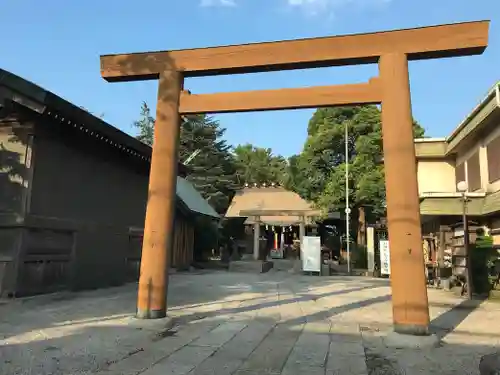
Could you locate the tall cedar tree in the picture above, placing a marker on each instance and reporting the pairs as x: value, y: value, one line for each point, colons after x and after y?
x: 213, y: 172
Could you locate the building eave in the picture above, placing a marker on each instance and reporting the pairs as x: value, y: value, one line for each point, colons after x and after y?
x: 479, y: 204
x: 475, y: 121
x: 492, y: 94
x: 430, y: 148
x: 23, y: 92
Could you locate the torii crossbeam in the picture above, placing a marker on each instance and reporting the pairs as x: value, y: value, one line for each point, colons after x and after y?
x: 391, y: 50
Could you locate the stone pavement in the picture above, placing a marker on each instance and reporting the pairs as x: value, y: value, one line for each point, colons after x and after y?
x: 244, y: 324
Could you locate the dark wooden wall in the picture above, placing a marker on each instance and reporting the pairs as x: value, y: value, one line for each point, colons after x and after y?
x: 16, y: 139
x: 180, y: 258
x: 85, y: 200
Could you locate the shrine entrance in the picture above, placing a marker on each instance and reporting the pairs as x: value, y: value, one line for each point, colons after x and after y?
x: 391, y: 50
x: 276, y: 220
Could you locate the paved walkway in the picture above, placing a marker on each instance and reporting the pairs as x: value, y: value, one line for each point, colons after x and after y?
x: 244, y: 324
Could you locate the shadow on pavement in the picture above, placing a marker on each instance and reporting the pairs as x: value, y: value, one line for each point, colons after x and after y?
x: 451, y: 319
x: 129, y: 351
x: 185, y: 290
x: 94, y: 331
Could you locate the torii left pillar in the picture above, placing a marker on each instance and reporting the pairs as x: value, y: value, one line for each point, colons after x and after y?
x: 160, y: 211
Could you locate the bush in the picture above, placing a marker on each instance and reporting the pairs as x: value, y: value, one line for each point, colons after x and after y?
x: 481, y: 256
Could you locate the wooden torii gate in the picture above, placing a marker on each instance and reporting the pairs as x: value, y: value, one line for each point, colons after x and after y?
x: 391, y: 50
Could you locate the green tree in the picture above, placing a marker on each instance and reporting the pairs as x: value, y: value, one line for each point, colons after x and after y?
x: 300, y: 177
x: 259, y: 165
x: 482, y: 257
x: 145, y: 125
x: 320, y: 169
x: 212, y: 171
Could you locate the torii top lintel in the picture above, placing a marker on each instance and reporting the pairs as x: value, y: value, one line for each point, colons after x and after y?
x: 459, y: 39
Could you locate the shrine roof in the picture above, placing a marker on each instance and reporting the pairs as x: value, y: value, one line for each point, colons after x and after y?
x: 269, y: 198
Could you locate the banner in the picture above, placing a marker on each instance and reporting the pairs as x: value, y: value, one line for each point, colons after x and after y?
x: 385, y: 257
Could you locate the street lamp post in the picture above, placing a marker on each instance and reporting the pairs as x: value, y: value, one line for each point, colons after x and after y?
x: 347, y: 209
x: 347, y: 239
x: 462, y: 188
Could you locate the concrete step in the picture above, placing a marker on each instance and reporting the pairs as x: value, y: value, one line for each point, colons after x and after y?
x: 250, y: 266
x: 283, y: 264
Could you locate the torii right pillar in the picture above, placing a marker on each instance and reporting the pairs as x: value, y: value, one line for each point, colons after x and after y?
x: 409, y: 290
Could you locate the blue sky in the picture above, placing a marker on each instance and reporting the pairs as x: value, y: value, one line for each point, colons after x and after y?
x: 57, y: 44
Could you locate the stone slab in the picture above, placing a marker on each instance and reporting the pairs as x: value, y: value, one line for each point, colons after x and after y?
x: 154, y: 352
x: 220, y: 335
x: 402, y: 341
x: 231, y: 356
x: 310, y: 352
x: 346, y: 354
x: 182, y: 361
x: 346, y: 358
x: 272, y: 353
x: 245, y: 342
x: 345, y: 332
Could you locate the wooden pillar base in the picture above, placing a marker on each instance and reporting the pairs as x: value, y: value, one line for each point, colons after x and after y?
x: 412, y: 329
x: 151, y: 314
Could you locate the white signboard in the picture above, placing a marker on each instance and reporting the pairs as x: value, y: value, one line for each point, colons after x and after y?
x: 311, y: 254
x: 385, y: 257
